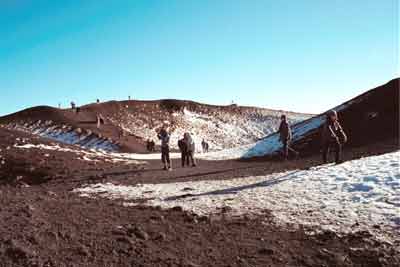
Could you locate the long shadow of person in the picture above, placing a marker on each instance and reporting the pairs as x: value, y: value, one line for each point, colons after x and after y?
x: 235, y: 190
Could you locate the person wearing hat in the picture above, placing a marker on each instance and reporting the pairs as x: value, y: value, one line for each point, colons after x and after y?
x: 164, y: 136
x: 333, y: 136
x: 285, y: 136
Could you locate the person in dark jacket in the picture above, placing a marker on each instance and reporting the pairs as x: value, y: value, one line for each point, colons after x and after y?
x: 190, y: 148
x: 332, y: 136
x: 204, y: 145
x: 164, y: 136
x: 285, y: 136
x: 152, y: 145
x: 148, y: 145
x: 184, y: 152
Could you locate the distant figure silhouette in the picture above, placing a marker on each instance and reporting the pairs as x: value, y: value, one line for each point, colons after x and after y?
x: 204, y: 145
x: 285, y: 136
x: 164, y: 136
x: 332, y: 136
x: 190, y: 148
x: 184, y: 152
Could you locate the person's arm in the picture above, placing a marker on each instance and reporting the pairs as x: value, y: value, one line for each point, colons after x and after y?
x: 289, y: 133
x: 332, y: 133
x: 342, y: 133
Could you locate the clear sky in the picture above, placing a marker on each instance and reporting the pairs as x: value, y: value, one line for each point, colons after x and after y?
x: 295, y: 55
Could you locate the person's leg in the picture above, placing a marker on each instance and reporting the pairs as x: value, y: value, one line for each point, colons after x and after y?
x: 338, y: 155
x: 168, y: 159
x: 187, y: 158
x: 164, y: 157
x: 192, y: 158
x: 325, y: 152
x: 291, y: 150
x: 285, y: 150
x: 183, y: 159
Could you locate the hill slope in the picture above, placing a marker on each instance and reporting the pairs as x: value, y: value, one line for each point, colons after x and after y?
x: 368, y: 118
x: 222, y: 126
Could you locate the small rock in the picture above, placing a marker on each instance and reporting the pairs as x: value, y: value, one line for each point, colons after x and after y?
x: 17, y: 251
x: 118, y: 232
x: 161, y: 237
x: 187, y: 189
x: 138, y: 232
x: 177, y: 208
x: 266, y: 251
x: 124, y: 239
x: 226, y: 209
x: 83, y: 250
x: 160, y: 218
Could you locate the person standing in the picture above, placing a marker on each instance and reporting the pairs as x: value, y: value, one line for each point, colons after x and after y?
x: 285, y: 136
x: 152, y: 145
x: 204, y: 145
x: 164, y: 136
x: 190, y: 148
x: 184, y: 152
x: 334, y: 136
x: 148, y: 145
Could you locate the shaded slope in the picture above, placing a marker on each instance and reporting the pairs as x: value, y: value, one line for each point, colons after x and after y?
x: 368, y: 118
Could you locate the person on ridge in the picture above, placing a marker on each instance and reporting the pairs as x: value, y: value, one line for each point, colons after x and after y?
x: 334, y: 136
x: 190, y: 148
x: 164, y: 136
x: 285, y: 136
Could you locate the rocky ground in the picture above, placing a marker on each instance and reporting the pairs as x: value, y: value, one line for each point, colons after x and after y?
x: 43, y: 223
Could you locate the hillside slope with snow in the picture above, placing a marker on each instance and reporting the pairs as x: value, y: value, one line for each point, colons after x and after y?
x: 222, y: 130
x: 128, y: 124
x: 358, y: 195
x: 368, y: 118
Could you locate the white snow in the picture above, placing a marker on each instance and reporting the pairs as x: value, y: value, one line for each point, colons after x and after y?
x: 270, y: 144
x: 221, y: 130
x: 66, y: 135
x: 88, y: 155
x: 355, y: 195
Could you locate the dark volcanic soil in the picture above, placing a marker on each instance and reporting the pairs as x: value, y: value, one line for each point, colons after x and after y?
x: 40, y: 227
x: 42, y: 223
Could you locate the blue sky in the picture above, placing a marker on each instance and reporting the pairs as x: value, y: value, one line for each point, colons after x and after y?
x: 295, y: 55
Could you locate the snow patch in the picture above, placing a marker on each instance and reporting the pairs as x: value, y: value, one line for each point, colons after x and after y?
x: 66, y: 135
x: 222, y: 130
x: 270, y: 144
x: 87, y: 155
x: 362, y: 194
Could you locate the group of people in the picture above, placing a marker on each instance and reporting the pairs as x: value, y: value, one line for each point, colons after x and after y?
x: 333, y: 136
x: 186, y: 146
